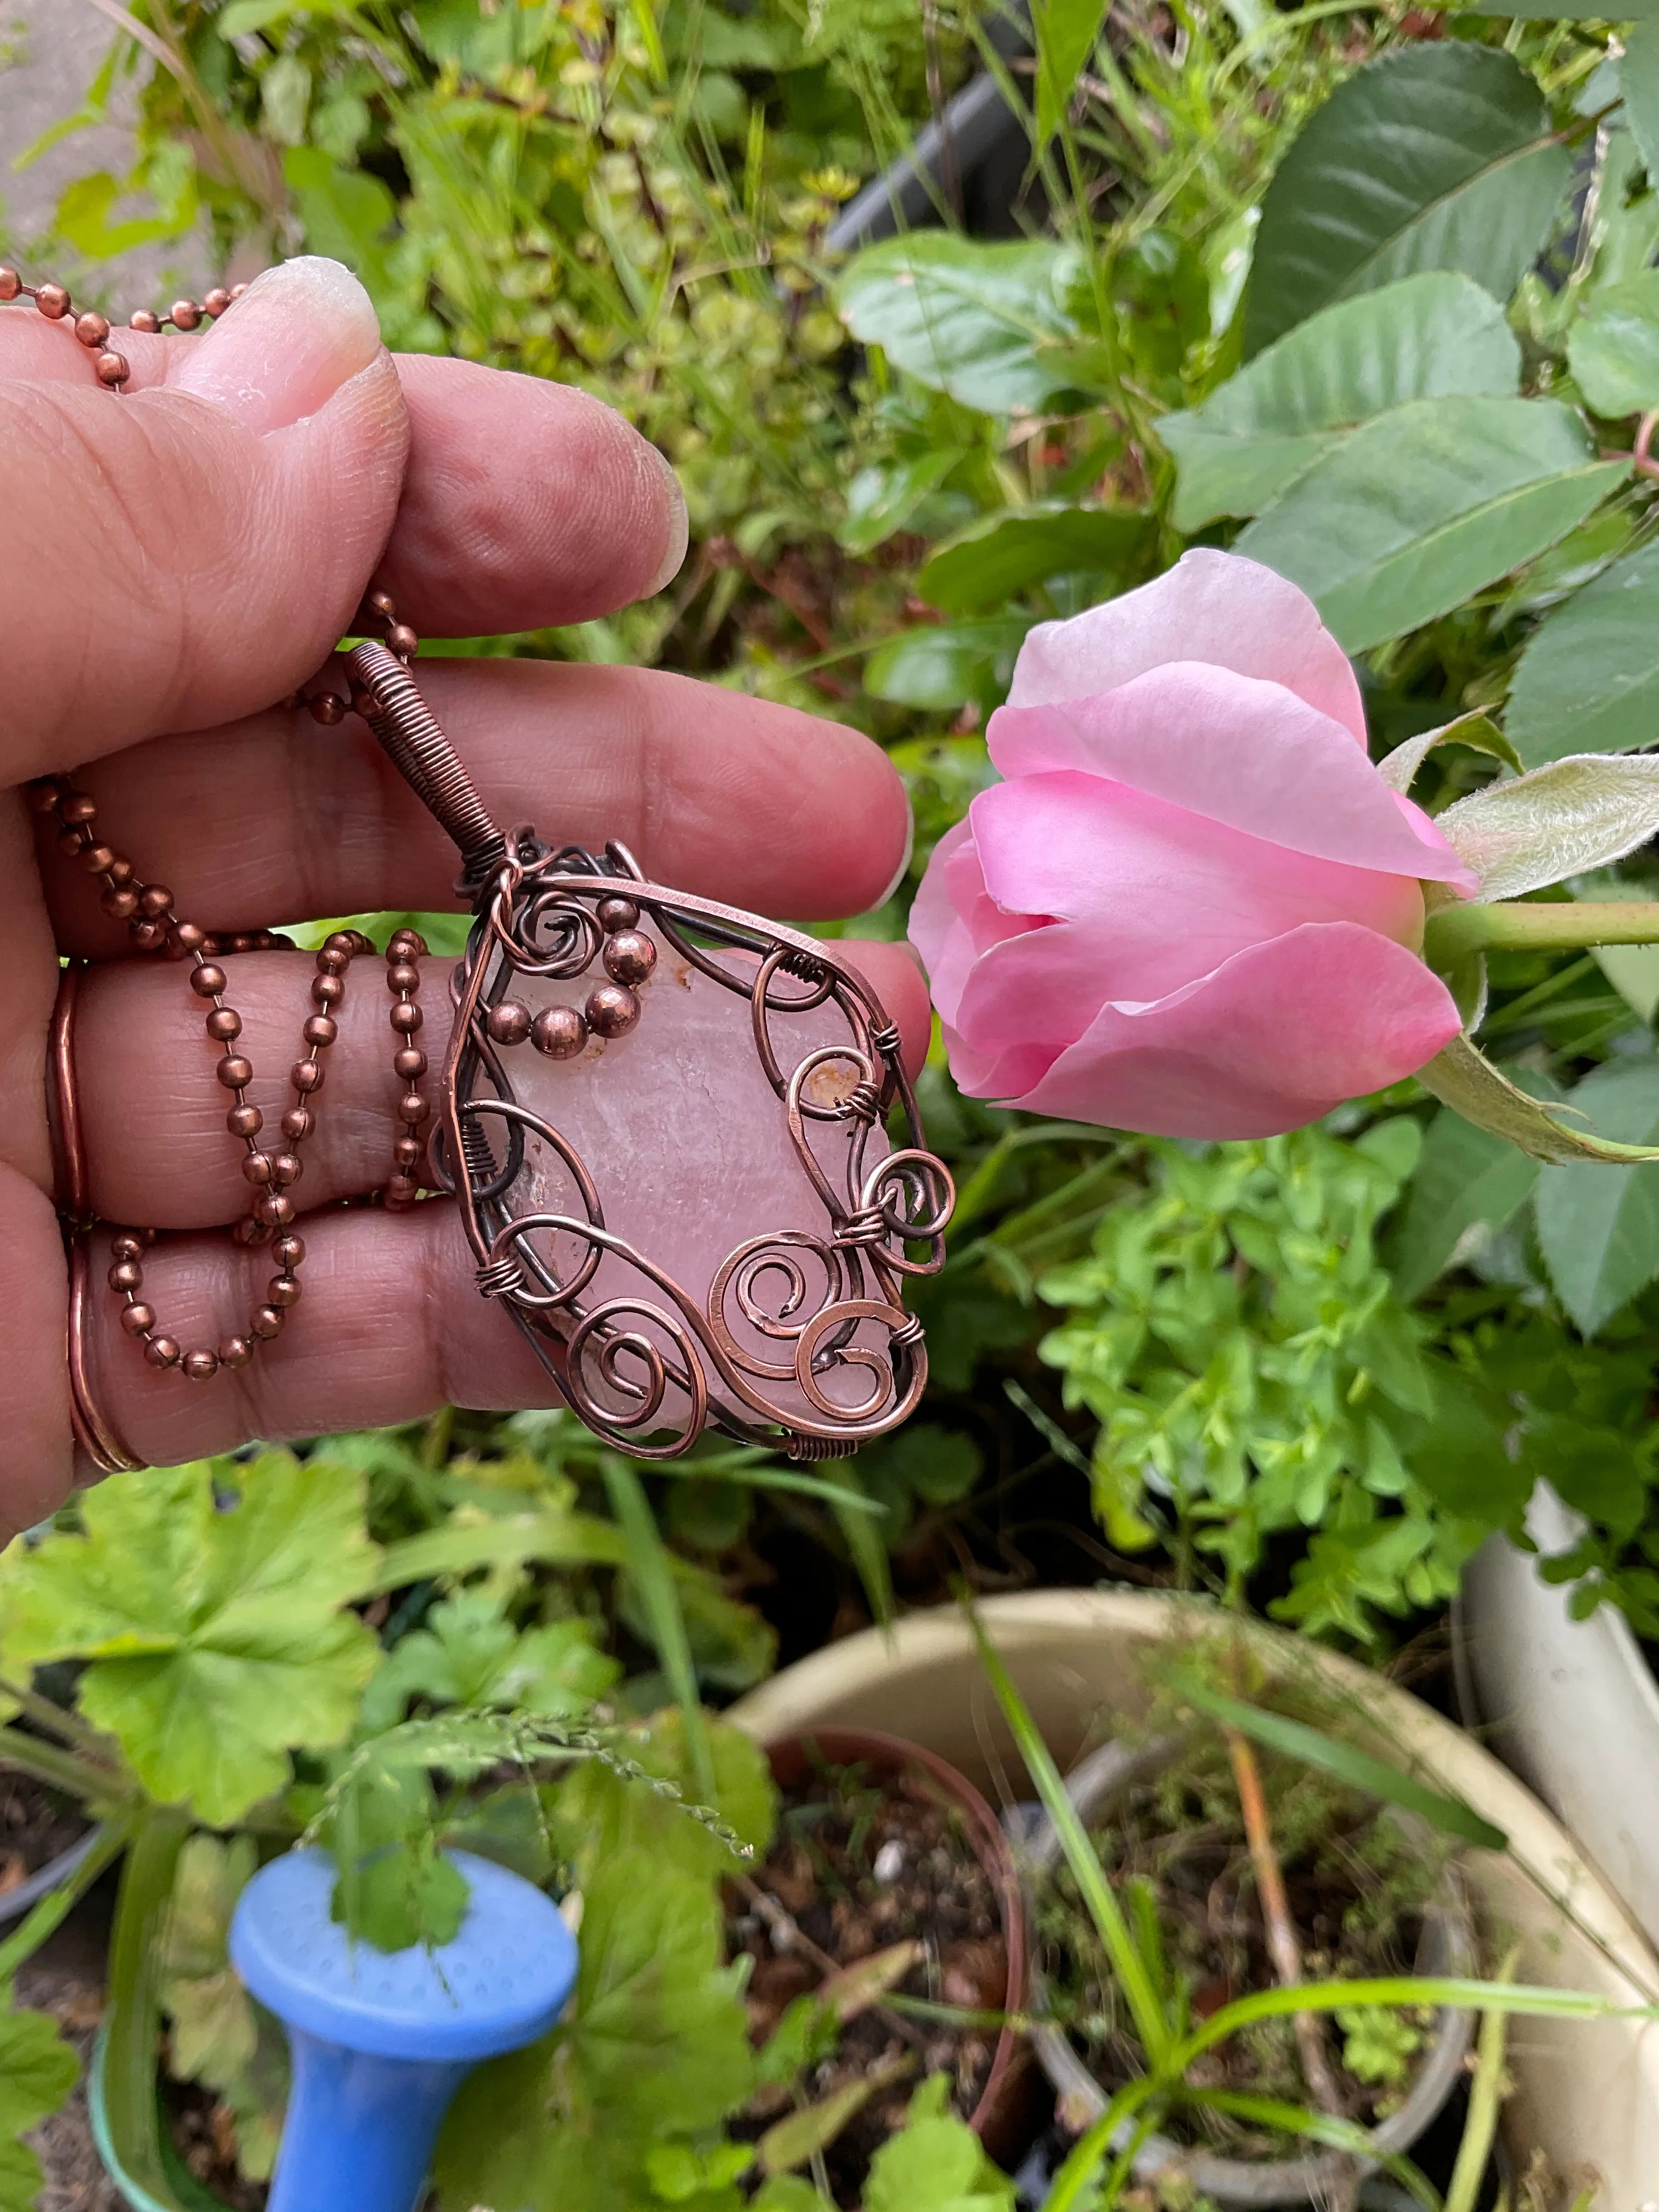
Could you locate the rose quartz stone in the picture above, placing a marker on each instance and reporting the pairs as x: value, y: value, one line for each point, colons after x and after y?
x: 689, y: 1147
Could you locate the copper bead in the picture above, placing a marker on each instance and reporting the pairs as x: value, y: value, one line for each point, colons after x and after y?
x: 612, y: 1010
x: 201, y: 1366
x: 616, y: 913
x: 558, y: 1031
x: 508, y: 1023
x: 236, y: 1352
x: 161, y: 1352
x: 234, y: 1071
x: 629, y: 956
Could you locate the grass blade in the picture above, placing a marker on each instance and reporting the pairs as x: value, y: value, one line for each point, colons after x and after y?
x: 1140, y: 1993
x: 1485, y: 2097
x: 648, y: 1564
x: 1295, y: 1740
x: 1324, y: 2127
x: 1088, y: 2153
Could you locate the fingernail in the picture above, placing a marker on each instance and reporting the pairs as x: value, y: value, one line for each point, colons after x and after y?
x: 903, y: 869
x: 297, y: 334
x: 679, y: 528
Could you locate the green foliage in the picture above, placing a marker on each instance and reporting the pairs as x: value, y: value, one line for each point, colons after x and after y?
x: 1238, y: 1338
x: 1588, y: 680
x: 1425, y: 337
x: 935, y: 2164
x: 469, y: 1654
x: 38, y: 2069
x: 219, y: 2036
x: 1424, y: 506
x: 1598, y: 1228
x: 1439, y: 157
x: 965, y: 318
x: 215, y: 1633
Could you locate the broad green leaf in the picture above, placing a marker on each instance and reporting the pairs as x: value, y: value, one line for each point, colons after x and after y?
x: 1638, y: 80
x: 218, y: 2036
x: 964, y: 318
x: 1001, y: 554
x: 1464, y: 1078
x: 935, y: 2163
x: 38, y: 2069
x: 880, y: 500
x: 1598, y: 1227
x: 1613, y: 350
x: 216, y: 1638
x: 1066, y: 33
x: 1423, y: 338
x: 1357, y: 1769
x: 1524, y: 832
x: 1467, y: 1185
x: 1588, y: 680
x: 469, y: 1654
x: 939, y: 666
x: 1426, y: 505
x: 1436, y: 156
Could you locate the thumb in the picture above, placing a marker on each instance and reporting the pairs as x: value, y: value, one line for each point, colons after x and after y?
x: 185, y: 556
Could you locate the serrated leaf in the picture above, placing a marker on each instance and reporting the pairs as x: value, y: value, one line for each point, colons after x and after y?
x: 1588, y: 680
x: 1613, y: 349
x: 1576, y: 814
x: 935, y: 2163
x: 1598, y: 1227
x: 469, y: 1654
x: 1398, y: 769
x: 1425, y: 506
x: 216, y: 1638
x: 1427, y: 337
x: 1437, y: 156
x: 1463, y: 1079
x: 964, y: 318
x: 1468, y: 1180
x: 1633, y: 969
x: 1004, y: 554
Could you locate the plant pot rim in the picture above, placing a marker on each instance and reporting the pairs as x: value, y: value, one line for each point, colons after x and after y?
x: 846, y: 1746
x: 29, y: 1891
x: 1448, y: 1946
x: 191, y: 2195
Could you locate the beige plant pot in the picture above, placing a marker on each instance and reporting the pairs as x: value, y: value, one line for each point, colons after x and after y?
x: 1588, y: 2091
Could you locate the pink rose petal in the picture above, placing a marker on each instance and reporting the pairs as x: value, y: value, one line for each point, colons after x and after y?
x: 1215, y: 607
x: 1273, y: 1038
x: 1236, y: 749
x: 1165, y: 895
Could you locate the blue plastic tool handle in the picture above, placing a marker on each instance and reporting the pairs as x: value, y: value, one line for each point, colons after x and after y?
x: 381, y: 2041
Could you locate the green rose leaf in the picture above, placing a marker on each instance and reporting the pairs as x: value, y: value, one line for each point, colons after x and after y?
x: 1613, y: 351
x: 1398, y: 769
x: 1638, y: 80
x: 216, y: 1638
x: 1588, y: 680
x: 1422, y: 338
x: 1426, y: 505
x: 1598, y: 1227
x: 1002, y: 555
x: 944, y: 664
x: 1468, y: 1184
x: 964, y: 318
x: 1439, y: 156
x: 1576, y: 814
x: 1464, y: 1078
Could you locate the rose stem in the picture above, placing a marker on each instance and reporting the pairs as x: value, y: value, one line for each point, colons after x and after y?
x: 1453, y: 933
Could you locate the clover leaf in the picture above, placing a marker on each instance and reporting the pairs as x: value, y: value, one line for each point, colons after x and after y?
x: 211, y: 1620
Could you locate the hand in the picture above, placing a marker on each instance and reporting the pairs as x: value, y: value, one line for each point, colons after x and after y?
x: 172, y: 560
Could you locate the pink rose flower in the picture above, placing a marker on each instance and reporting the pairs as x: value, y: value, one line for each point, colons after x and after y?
x: 1193, y: 906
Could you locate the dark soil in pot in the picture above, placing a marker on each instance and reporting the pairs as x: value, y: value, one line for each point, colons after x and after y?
x: 204, y: 2136
x: 880, y: 1844
x: 38, y: 1824
x: 1361, y: 1884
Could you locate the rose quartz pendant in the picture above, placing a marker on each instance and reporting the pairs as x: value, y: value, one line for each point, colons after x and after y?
x: 666, y: 1122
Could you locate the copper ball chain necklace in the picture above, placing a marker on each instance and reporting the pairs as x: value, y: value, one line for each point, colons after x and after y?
x: 798, y: 1337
